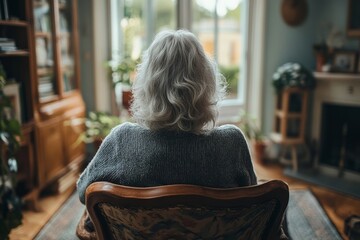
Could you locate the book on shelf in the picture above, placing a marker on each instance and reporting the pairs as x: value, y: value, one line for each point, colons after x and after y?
x: 7, y: 45
x: 4, y: 10
x: 12, y: 90
x: 45, y: 86
x: 7, y: 49
x: 7, y: 41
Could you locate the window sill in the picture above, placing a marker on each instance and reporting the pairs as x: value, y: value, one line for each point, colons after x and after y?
x: 229, y: 112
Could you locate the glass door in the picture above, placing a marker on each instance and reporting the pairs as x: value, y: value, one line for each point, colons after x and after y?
x: 44, y: 41
x: 66, y: 41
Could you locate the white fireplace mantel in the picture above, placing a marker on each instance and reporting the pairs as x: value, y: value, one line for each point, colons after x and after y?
x: 324, y: 76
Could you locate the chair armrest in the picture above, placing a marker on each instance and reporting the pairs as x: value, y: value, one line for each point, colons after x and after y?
x: 81, y: 232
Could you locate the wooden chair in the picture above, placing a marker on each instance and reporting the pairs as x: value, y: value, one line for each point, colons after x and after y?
x: 187, y: 211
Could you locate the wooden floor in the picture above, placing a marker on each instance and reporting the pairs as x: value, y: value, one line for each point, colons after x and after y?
x: 337, y: 206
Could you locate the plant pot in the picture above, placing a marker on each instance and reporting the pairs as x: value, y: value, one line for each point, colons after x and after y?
x: 97, y: 142
x: 126, y: 98
x: 258, y: 149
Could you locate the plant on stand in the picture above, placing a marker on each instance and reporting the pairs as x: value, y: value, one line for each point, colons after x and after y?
x: 292, y: 75
x: 10, y: 131
x: 253, y: 133
x: 122, y: 74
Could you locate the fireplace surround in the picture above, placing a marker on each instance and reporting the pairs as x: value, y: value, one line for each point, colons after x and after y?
x: 335, y: 125
x: 335, y: 134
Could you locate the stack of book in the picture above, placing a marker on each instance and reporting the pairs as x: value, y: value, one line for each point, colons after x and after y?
x: 46, y: 86
x: 7, y: 44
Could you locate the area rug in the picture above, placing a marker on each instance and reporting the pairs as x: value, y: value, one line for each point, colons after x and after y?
x: 305, y: 219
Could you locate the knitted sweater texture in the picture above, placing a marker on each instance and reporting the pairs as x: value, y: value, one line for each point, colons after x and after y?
x: 135, y: 156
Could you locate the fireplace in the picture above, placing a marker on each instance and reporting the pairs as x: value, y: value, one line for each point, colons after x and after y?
x: 335, y: 125
x: 335, y: 134
x: 340, y: 137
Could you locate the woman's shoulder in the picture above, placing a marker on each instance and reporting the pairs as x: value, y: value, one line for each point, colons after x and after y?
x: 230, y: 131
x: 125, y: 127
x: 229, y: 128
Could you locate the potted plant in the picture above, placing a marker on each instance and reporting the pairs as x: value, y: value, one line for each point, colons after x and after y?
x: 10, y: 131
x: 98, y: 126
x: 292, y: 75
x: 252, y: 132
x: 122, y: 74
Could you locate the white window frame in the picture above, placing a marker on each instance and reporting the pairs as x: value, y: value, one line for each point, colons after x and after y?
x: 229, y: 108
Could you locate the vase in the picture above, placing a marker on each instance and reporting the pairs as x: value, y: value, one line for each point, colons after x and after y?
x: 258, y: 149
x: 126, y: 99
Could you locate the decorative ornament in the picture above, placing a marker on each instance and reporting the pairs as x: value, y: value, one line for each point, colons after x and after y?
x: 294, y: 12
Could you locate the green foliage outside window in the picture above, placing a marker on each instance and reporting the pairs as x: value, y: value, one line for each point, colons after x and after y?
x: 232, y: 76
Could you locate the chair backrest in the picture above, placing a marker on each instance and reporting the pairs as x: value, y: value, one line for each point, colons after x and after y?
x: 187, y: 211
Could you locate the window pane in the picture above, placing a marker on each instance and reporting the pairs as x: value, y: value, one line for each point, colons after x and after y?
x: 230, y: 42
x: 66, y: 46
x: 44, y: 49
x: 204, y: 24
x: 133, y: 28
x: 222, y: 36
x: 165, y: 15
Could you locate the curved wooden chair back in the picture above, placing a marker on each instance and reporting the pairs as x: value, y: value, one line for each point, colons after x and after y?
x: 187, y: 211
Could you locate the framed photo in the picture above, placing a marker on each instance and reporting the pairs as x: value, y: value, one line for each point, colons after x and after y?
x: 12, y: 91
x: 344, y: 61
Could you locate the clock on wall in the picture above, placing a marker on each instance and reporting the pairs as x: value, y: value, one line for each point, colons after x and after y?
x: 294, y: 12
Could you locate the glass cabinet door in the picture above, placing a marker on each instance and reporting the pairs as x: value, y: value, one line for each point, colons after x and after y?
x: 47, y: 86
x: 66, y: 41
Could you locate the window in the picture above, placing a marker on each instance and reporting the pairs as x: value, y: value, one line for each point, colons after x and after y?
x: 219, y: 25
x: 220, y: 28
x: 134, y: 24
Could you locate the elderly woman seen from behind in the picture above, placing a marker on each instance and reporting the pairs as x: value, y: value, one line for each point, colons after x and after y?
x: 174, y: 140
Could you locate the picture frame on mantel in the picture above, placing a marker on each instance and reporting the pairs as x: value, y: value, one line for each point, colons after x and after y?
x: 344, y: 62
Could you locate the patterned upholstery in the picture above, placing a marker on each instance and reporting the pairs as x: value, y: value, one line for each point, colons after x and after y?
x: 182, y: 222
x: 187, y: 211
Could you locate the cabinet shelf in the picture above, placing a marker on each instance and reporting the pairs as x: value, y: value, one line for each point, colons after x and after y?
x: 15, y: 23
x: 17, y: 53
x: 282, y: 114
x: 45, y: 71
x: 43, y: 34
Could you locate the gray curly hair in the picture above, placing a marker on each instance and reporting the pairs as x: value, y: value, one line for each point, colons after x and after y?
x: 177, y: 86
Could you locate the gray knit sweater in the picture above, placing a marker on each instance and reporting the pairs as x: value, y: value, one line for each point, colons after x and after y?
x: 134, y: 156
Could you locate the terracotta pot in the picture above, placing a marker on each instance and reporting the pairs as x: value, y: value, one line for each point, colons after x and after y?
x: 126, y: 98
x: 258, y: 149
x: 97, y: 142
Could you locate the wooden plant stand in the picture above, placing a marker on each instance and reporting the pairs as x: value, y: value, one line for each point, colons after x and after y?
x: 290, y: 122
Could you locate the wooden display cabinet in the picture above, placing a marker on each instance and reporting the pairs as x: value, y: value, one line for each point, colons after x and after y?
x: 58, y: 95
x: 45, y: 65
x: 290, y: 120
